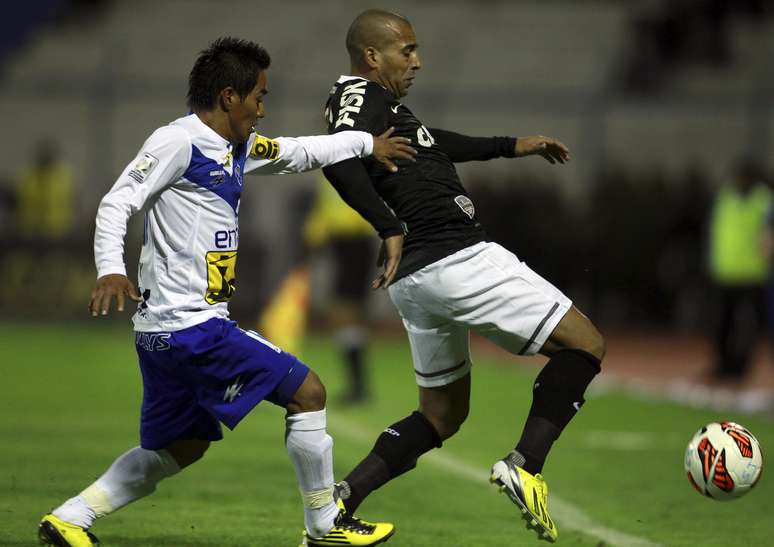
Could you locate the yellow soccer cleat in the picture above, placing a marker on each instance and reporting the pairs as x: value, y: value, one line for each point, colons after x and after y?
x: 529, y: 493
x: 54, y: 531
x: 349, y: 530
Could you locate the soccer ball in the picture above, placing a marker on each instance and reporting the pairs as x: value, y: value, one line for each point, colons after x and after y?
x: 723, y: 461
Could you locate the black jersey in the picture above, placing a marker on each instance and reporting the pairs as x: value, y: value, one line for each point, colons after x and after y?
x: 427, y: 196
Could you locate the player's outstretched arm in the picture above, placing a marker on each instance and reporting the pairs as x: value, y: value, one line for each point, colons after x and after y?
x: 108, y: 287
x: 553, y: 150
x: 462, y: 148
x: 285, y: 155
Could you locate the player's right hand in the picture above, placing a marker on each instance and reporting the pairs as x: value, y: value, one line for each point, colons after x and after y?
x: 389, y: 257
x: 387, y: 148
x: 109, y: 286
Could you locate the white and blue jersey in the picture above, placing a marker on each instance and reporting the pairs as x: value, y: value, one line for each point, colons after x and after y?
x: 199, y: 369
x: 188, y: 181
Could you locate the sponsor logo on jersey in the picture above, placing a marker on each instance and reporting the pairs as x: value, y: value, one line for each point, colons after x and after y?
x: 143, y: 167
x: 466, y: 205
x: 264, y: 148
x: 221, y: 276
x: 142, y: 307
x: 395, y: 108
x: 227, y: 239
x: 218, y: 176
x: 351, y: 101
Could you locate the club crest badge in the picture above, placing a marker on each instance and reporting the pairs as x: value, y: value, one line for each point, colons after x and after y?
x: 466, y: 205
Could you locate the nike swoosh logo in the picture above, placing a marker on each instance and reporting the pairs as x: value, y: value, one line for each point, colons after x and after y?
x: 395, y: 108
x: 576, y: 405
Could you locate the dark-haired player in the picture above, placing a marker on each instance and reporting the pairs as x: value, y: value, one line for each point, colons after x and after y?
x: 199, y: 368
x: 452, y: 279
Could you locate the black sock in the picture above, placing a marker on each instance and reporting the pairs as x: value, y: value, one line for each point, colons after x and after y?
x: 556, y: 397
x: 396, y: 451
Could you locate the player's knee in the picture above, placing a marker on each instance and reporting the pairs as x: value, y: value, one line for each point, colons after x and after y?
x: 188, y: 451
x: 310, y: 397
x: 588, y: 340
x: 595, y: 343
x: 446, y: 421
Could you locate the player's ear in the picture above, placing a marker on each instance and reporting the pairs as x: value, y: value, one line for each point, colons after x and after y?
x: 226, y: 98
x: 371, y: 57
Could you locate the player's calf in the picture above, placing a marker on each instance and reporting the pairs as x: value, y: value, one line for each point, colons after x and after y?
x: 310, y: 449
x: 557, y: 396
x: 395, y: 452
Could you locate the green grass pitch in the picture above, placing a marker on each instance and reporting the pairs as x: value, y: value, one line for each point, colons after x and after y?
x: 70, y: 404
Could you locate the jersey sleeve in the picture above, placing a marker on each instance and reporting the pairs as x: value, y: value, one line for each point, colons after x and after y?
x: 162, y: 160
x: 361, y: 105
x: 351, y: 181
x: 462, y: 148
x: 285, y: 155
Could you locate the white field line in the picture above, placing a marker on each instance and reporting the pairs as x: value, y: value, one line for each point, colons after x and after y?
x: 567, y: 515
x: 630, y: 440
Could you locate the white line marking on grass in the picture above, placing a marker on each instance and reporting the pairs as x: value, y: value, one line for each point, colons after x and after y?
x: 567, y: 515
x: 630, y: 440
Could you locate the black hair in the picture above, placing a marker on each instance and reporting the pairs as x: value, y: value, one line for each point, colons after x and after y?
x: 227, y: 62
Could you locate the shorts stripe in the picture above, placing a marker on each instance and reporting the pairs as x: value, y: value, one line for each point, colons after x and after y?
x: 440, y: 372
x: 539, y: 327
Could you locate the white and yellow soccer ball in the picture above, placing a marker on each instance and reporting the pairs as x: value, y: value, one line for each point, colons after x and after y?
x: 723, y: 460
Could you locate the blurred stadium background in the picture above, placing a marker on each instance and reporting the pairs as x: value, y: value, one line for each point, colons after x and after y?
x: 658, y: 100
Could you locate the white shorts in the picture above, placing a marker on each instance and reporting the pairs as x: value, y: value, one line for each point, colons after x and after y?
x: 484, y: 288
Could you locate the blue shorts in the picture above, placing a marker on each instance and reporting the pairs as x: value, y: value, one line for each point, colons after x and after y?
x: 209, y: 373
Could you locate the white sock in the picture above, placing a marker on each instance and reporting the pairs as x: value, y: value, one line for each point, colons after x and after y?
x: 311, y: 451
x: 132, y: 476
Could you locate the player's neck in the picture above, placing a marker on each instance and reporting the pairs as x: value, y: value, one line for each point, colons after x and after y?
x: 217, y: 120
x: 367, y: 74
x: 371, y: 75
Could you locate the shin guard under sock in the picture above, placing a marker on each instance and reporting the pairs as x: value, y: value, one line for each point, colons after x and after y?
x: 396, y: 451
x: 557, y: 396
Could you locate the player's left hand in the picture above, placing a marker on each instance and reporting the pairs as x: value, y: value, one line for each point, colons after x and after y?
x: 552, y: 150
x: 387, y: 148
x: 389, y: 256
